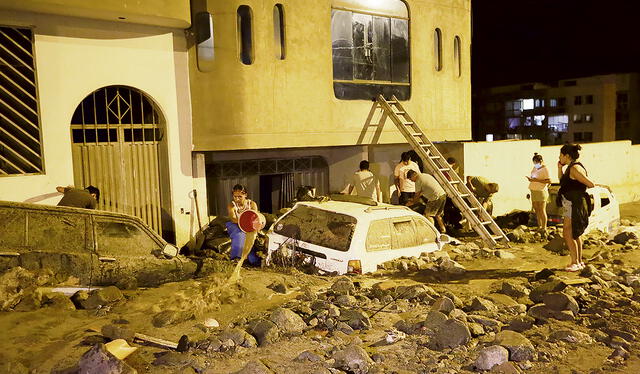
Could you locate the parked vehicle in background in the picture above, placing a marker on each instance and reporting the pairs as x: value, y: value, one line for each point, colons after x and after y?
x: 604, y: 217
x: 97, y: 247
x: 351, y: 236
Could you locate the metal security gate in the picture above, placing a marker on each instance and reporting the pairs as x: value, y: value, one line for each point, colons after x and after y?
x: 116, y: 132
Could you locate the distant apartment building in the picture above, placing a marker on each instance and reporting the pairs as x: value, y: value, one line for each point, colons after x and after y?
x: 592, y: 109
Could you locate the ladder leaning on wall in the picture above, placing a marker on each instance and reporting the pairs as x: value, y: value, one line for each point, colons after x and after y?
x: 435, y: 163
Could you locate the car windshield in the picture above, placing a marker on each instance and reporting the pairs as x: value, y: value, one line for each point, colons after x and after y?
x: 317, y: 226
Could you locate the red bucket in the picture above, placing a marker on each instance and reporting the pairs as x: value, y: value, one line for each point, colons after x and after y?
x: 250, y: 221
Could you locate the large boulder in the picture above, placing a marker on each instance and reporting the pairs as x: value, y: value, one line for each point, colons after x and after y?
x: 343, y: 286
x: 560, y: 301
x: 480, y: 304
x: 491, y: 356
x: 520, y: 348
x: 452, y: 333
x: 57, y: 301
x: 624, y: 237
x: 239, y: 337
x: 18, y: 283
x: 521, y: 323
x: 102, y: 297
x: 113, y: 332
x: 99, y: 360
x: 543, y: 313
x: 265, y: 331
x: 353, y: 359
x: 287, y: 321
x: 356, y: 319
x: 434, y: 320
x: 571, y: 336
x: 30, y: 300
x: 443, y: 304
x: 552, y: 285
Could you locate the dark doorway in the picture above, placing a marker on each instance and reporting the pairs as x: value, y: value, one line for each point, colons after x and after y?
x: 270, y: 192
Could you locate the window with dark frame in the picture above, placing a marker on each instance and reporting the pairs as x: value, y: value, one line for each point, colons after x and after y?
x: 577, y: 100
x: 370, y: 53
x: 587, y: 136
x: 577, y: 118
x: 20, y: 132
x: 577, y: 136
x: 279, y: 31
x: 457, y: 57
x: 437, y: 49
x: 245, y: 34
x: 588, y: 99
x: 203, y: 25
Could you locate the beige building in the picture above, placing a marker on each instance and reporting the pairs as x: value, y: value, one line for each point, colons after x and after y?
x: 151, y: 100
x: 281, y: 94
x: 592, y: 109
x: 98, y: 94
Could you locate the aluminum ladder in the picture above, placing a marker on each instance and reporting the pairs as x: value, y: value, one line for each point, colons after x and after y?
x: 437, y: 165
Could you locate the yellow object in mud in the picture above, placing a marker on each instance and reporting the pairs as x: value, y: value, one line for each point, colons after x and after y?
x: 120, y: 348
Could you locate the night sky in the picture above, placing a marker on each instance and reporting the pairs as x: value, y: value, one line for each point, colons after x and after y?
x: 518, y: 41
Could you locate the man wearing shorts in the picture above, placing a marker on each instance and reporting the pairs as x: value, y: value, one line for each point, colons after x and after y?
x: 428, y: 188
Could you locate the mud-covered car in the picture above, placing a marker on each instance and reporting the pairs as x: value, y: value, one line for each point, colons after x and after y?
x: 351, y: 237
x: 604, y: 217
x: 96, y: 247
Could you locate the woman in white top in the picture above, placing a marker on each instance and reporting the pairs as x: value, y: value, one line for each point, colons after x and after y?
x: 239, y: 204
x: 538, y: 185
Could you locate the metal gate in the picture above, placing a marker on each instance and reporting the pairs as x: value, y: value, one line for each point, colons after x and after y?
x: 116, y: 133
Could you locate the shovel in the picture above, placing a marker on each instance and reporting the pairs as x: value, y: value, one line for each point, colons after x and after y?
x: 195, y: 243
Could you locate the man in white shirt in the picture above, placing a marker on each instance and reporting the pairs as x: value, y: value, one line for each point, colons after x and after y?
x: 427, y: 187
x: 365, y: 183
x: 406, y: 188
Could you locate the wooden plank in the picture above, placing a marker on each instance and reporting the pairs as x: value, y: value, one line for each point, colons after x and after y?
x: 155, y: 341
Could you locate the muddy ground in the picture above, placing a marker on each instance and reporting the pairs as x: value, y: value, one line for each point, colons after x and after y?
x: 599, y: 335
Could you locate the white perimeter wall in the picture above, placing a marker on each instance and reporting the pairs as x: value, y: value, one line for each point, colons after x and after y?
x: 616, y: 164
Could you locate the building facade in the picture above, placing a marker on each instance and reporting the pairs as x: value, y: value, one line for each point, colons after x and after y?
x: 152, y: 100
x: 282, y: 92
x: 592, y: 109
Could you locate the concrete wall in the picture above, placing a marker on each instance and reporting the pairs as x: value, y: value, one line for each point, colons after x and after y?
x: 290, y: 103
x: 75, y: 57
x: 508, y: 162
x: 170, y: 13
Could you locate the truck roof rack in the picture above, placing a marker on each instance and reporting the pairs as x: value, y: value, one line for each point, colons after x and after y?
x: 386, y: 207
x: 353, y: 199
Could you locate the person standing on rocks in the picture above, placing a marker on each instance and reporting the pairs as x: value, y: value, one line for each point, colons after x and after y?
x: 365, y: 183
x: 427, y: 187
x: 237, y: 206
x: 405, y: 187
x: 539, y: 186
x: 575, y: 201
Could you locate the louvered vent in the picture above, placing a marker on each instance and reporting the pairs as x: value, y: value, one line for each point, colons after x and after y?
x: 20, y: 144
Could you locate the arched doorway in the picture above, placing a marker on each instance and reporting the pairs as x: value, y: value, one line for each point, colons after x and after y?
x: 116, y: 133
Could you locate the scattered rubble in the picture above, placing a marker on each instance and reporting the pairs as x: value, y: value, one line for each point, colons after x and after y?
x: 408, y: 317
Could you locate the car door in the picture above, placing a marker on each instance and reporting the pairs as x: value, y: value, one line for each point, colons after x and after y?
x: 12, y: 236
x: 379, y: 245
x: 58, y: 240
x: 405, y: 239
x: 427, y: 235
x: 130, y: 252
